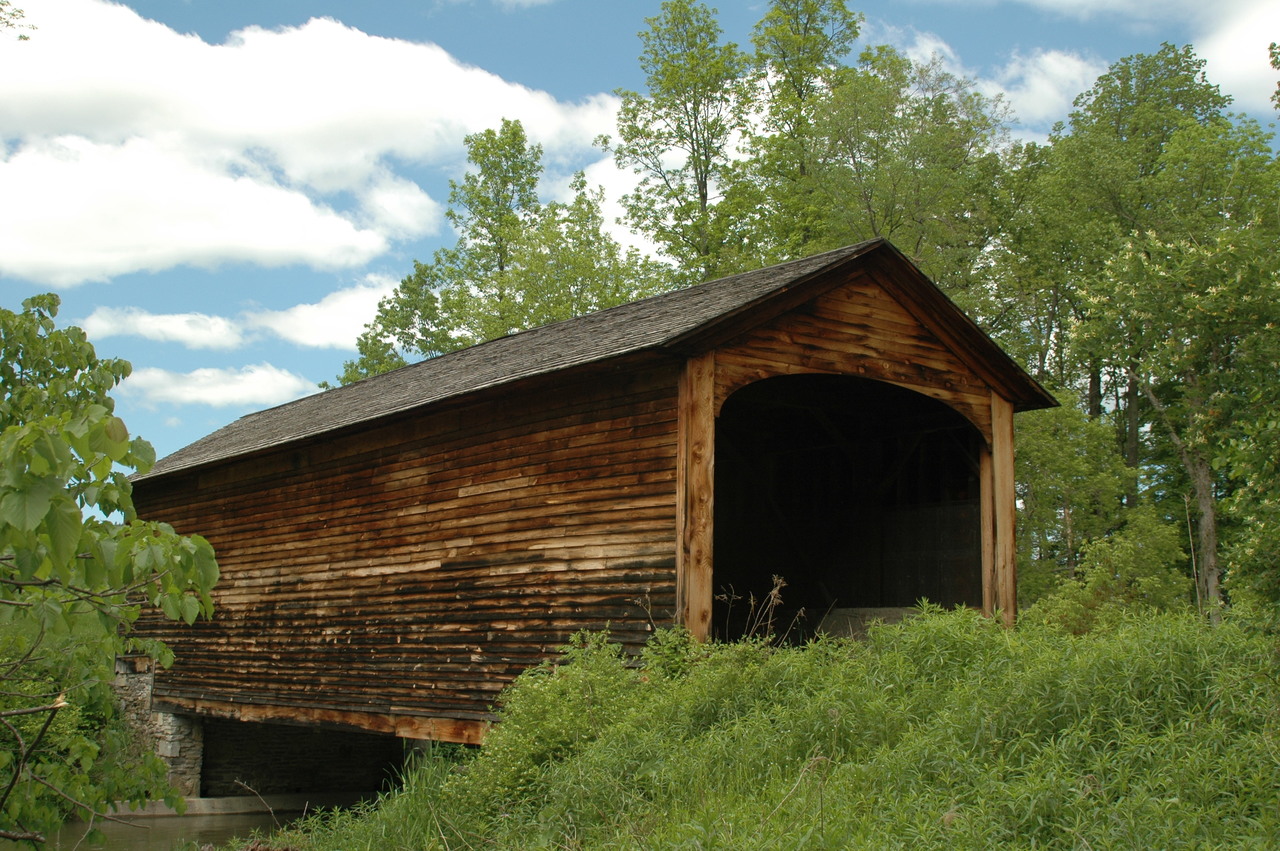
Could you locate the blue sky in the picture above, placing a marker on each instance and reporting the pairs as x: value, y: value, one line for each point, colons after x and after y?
x: 220, y: 190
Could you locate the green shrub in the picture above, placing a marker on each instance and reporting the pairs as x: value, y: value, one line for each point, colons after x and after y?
x: 944, y: 731
x: 1134, y: 568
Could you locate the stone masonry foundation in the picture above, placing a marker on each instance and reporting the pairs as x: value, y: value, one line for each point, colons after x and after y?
x: 177, y: 739
x: 214, y: 757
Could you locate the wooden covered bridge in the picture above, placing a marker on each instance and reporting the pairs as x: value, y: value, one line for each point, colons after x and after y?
x: 395, y: 551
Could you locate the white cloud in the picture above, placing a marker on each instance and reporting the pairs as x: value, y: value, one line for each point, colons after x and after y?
x: 333, y: 322
x: 1231, y: 35
x: 90, y: 211
x: 1234, y: 48
x: 1039, y: 87
x: 400, y: 208
x: 1042, y: 86
x: 257, y: 385
x: 193, y: 330
x: 922, y: 47
x: 132, y: 147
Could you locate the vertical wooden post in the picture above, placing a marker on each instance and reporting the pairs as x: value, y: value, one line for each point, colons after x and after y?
x: 1004, y: 508
x: 695, y: 478
x: 987, y: 514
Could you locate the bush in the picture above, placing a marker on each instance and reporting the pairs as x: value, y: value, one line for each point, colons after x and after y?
x: 944, y: 731
x: 1135, y: 568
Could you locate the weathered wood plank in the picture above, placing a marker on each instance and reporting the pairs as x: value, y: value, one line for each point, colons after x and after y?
x: 987, y: 520
x: 1004, y: 507
x: 437, y: 556
x: 695, y: 459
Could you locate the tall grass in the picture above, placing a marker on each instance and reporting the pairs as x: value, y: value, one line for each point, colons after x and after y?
x: 945, y: 731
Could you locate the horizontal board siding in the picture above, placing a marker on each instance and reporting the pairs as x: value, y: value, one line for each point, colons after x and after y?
x: 416, y: 568
x: 856, y: 330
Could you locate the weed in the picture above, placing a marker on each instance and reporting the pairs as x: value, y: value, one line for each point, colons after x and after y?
x: 943, y: 731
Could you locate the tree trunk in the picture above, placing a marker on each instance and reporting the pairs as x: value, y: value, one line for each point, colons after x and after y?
x: 1207, y: 527
x: 1200, y: 472
x: 1095, y: 392
x: 1132, y: 423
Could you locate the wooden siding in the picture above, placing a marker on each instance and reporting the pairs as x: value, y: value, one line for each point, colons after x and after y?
x: 397, y: 578
x: 394, y: 570
x: 857, y: 330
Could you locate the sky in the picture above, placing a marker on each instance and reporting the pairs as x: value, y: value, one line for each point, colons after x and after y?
x: 221, y: 190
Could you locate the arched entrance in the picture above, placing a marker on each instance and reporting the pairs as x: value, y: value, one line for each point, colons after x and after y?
x: 861, y: 495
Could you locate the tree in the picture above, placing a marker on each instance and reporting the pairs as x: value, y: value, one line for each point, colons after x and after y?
x: 569, y: 265
x: 800, y: 46
x: 1070, y: 484
x: 491, y: 208
x: 1128, y: 273
x: 1098, y: 189
x: 1199, y: 318
x: 908, y: 152
x: 76, y: 568
x: 518, y: 262
x: 1275, y: 63
x: 678, y: 137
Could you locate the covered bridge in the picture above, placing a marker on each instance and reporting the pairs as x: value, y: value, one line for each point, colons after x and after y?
x: 395, y: 551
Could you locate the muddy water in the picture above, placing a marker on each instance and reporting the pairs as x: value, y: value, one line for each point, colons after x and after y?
x: 165, y: 833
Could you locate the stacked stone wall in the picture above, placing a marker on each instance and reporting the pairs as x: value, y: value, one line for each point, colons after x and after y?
x: 177, y: 739
x: 212, y: 757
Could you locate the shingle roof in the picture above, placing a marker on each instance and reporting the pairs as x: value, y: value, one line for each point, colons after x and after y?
x: 651, y: 323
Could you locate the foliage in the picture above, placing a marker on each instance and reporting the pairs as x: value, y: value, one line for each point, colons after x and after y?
x: 1196, y: 327
x: 1070, y: 484
x: 1133, y: 274
x: 1137, y: 567
x: 907, y: 151
x: 76, y: 566
x: 800, y: 46
x: 518, y: 263
x: 1275, y: 63
x: 11, y: 19
x: 944, y: 731
x: 678, y: 137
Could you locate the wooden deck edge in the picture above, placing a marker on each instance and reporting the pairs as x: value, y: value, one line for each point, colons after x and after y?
x: 458, y: 730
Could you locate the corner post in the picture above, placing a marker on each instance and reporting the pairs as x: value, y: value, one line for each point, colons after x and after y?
x: 1003, y: 510
x: 695, y: 480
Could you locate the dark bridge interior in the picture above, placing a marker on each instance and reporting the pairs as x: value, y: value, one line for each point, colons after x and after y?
x: 858, y: 493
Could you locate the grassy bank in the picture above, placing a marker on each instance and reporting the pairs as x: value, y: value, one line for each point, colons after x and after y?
x: 944, y: 732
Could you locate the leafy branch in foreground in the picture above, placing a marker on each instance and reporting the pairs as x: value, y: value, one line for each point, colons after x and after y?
x: 76, y: 568
x: 11, y: 19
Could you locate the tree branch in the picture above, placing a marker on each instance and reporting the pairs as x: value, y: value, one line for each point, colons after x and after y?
x: 34, y: 710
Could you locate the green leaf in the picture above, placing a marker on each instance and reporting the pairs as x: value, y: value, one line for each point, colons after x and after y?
x: 25, y: 509
x: 170, y: 606
x: 64, y: 526
x: 190, y: 609
x: 206, y: 565
x: 28, y: 561
x: 144, y: 455
x: 115, y: 430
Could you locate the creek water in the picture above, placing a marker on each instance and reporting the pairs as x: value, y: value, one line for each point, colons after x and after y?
x: 164, y: 833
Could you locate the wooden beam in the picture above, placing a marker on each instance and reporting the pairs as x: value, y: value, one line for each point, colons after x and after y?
x: 462, y: 731
x: 695, y: 477
x: 1004, y: 508
x: 986, y: 484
